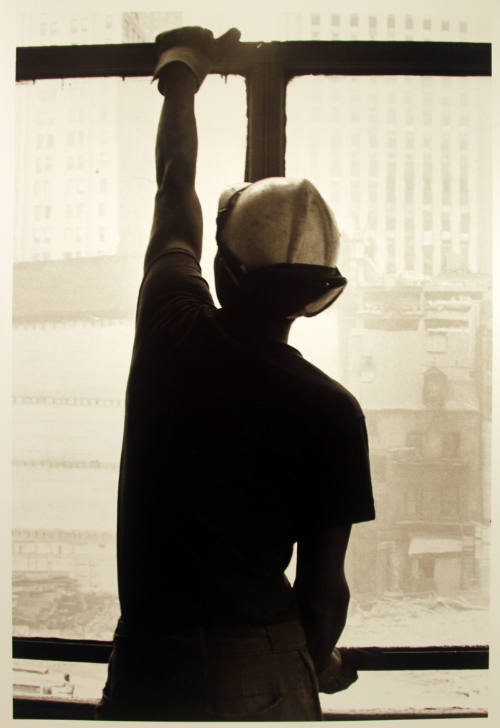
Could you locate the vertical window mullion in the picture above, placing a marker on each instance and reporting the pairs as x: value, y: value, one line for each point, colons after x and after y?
x: 266, y: 97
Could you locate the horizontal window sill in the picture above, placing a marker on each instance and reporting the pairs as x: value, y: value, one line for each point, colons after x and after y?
x: 33, y: 708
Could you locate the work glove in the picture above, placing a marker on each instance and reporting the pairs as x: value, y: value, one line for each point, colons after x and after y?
x: 339, y: 674
x: 194, y: 46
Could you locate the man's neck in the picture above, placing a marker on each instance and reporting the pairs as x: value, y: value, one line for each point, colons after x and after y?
x: 276, y: 330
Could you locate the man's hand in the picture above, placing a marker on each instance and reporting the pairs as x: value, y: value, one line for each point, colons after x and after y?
x: 338, y: 675
x: 195, y: 47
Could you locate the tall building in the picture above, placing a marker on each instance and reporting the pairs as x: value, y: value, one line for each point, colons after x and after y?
x: 67, y: 153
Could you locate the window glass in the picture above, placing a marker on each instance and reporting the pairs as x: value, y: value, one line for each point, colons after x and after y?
x: 409, y: 691
x: 80, y: 236
x: 410, y: 337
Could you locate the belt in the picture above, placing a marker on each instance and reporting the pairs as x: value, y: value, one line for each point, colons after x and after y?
x: 249, y: 639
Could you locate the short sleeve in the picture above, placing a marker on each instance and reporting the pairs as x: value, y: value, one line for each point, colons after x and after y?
x: 340, y: 491
x: 171, y: 295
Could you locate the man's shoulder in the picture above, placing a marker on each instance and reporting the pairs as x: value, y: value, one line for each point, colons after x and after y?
x: 330, y: 393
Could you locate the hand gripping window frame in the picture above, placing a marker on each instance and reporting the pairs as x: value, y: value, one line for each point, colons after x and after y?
x: 307, y: 289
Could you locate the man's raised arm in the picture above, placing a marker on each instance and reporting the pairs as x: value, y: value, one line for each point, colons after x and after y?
x: 185, y: 56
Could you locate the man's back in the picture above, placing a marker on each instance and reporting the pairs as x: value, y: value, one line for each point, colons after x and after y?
x: 233, y: 449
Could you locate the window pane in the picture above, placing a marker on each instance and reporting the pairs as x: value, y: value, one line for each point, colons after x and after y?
x: 76, y: 278
x: 410, y: 337
x: 408, y: 691
x: 52, y: 680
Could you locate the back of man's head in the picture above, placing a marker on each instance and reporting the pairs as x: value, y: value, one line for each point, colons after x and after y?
x: 281, y: 220
x: 278, y: 247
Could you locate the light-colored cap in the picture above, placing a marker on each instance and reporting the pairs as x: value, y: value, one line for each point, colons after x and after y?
x: 281, y: 220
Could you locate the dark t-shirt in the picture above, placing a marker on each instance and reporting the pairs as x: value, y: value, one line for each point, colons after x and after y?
x: 232, y: 451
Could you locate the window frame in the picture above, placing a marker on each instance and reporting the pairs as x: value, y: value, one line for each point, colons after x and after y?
x: 267, y: 69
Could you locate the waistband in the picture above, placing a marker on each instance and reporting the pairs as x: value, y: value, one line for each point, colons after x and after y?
x: 248, y: 639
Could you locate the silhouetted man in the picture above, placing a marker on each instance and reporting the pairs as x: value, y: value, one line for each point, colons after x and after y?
x: 234, y: 447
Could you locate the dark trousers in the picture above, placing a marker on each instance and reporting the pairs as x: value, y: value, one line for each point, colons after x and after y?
x: 236, y: 674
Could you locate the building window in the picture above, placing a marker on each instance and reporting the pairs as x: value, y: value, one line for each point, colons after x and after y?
x: 354, y: 20
x: 436, y: 343
x: 426, y: 565
x: 414, y: 439
x: 409, y: 183
x: 391, y: 21
x: 451, y: 444
x: 464, y: 187
x: 355, y: 190
x: 408, y: 22
x: 315, y: 19
x: 372, y: 219
x: 446, y: 190
x: 427, y: 184
x: 355, y: 163
x: 335, y: 19
x: 427, y: 24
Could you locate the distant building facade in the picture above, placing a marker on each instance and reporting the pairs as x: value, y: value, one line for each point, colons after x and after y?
x: 416, y: 362
x: 404, y: 163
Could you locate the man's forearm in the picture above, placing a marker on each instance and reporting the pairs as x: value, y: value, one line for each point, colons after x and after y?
x: 177, y: 139
x: 323, y: 625
x: 177, y: 216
